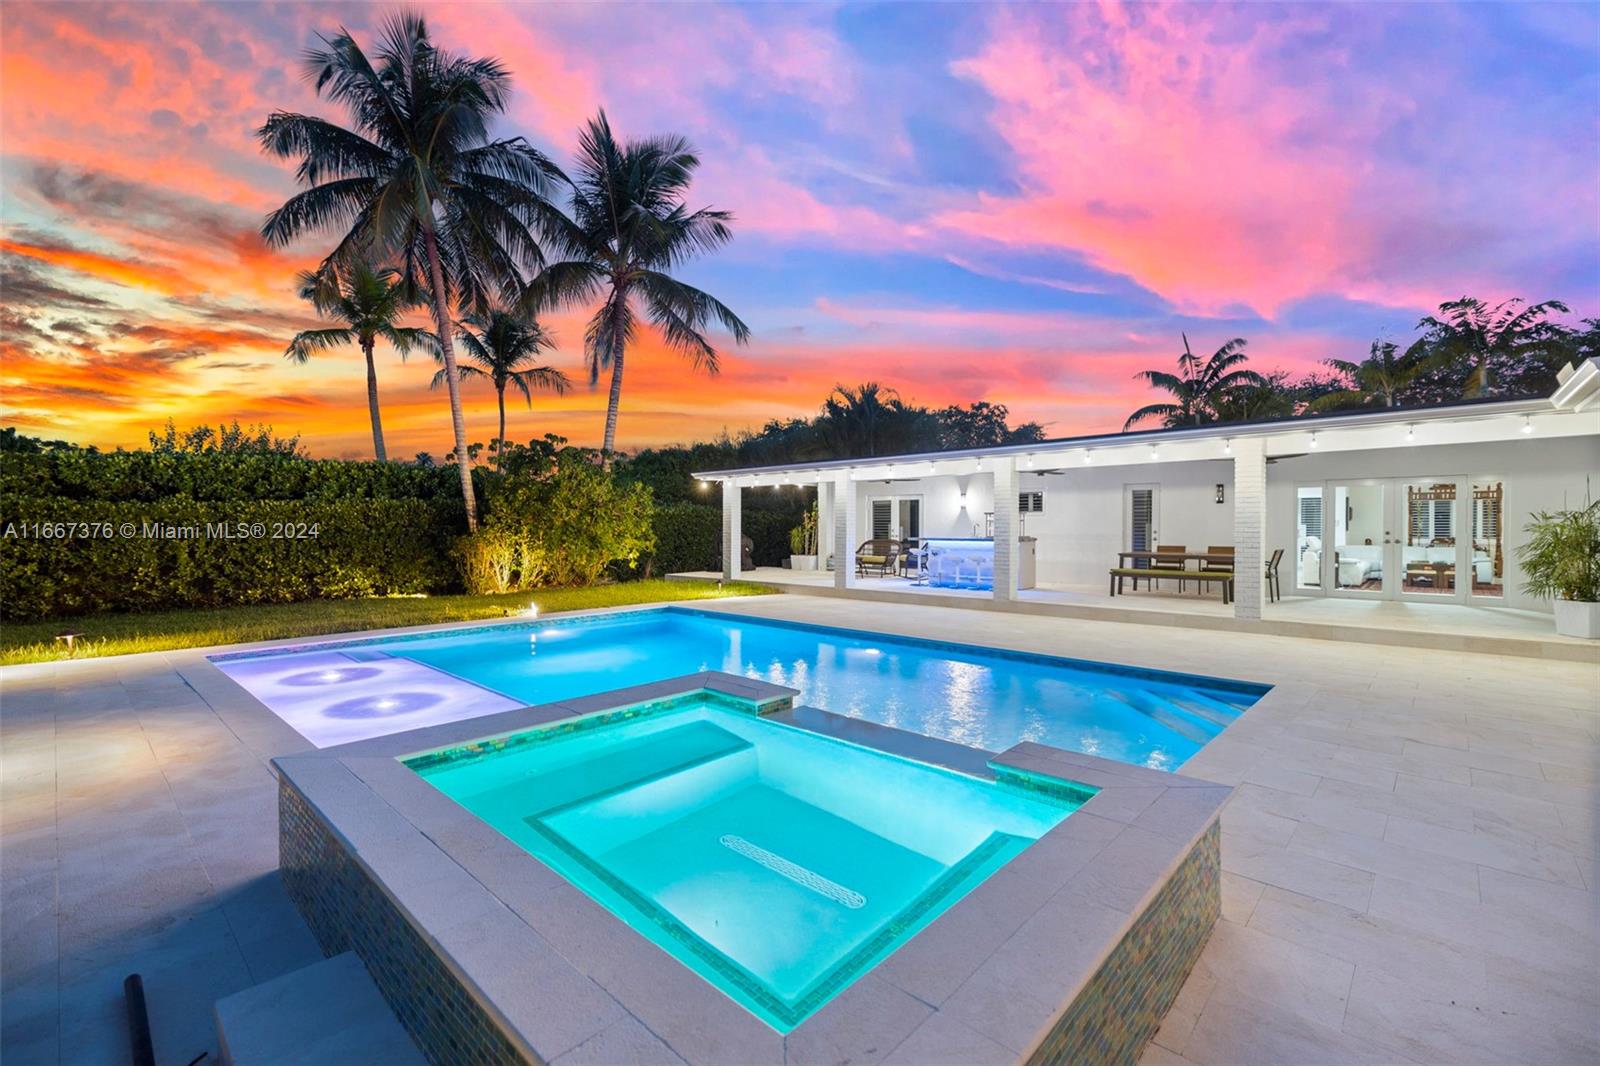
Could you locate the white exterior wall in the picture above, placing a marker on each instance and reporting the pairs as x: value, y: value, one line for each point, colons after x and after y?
x: 1081, y: 529
x: 1082, y: 526
x: 1539, y: 475
x: 944, y: 513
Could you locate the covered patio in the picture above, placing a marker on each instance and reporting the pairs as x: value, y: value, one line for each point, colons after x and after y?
x: 1451, y: 627
x: 1396, y: 526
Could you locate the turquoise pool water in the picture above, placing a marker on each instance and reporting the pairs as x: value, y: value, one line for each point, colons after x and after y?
x: 776, y: 863
x: 973, y: 696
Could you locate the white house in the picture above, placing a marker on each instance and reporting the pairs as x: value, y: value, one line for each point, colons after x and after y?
x: 1419, y: 504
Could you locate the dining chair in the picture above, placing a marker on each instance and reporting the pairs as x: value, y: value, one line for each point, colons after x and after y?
x: 1169, y: 561
x: 1274, y: 591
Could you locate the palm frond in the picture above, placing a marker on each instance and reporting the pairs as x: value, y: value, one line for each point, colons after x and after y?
x: 309, y: 341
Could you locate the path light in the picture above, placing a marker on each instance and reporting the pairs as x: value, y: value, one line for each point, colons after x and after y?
x: 531, y: 611
x: 1527, y: 423
x: 70, y: 639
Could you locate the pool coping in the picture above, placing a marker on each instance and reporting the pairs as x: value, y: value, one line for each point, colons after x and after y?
x: 555, y: 970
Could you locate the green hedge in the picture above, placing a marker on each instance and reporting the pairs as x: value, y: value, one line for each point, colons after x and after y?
x: 689, y: 537
x: 363, y: 547
x: 75, y: 474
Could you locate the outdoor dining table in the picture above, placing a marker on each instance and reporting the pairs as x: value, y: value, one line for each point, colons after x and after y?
x: 1127, y: 559
x: 1185, y: 556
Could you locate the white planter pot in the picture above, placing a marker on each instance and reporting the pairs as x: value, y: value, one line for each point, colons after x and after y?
x: 802, y: 562
x: 1577, y: 618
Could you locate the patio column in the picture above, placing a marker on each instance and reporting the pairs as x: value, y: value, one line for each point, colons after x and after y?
x: 1005, y: 528
x: 844, y: 530
x: 1249, y: 527
x: 732, y: 530
x: 824, y: 522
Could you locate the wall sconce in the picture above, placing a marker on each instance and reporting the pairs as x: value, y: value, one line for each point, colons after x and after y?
x: 1221, y: 496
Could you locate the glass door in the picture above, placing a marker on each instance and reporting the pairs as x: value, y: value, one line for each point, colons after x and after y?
x: 1141, y: 509
x: 1432, y: 540
x: 1488, y: 558
x: 1309, y: 533
x: 1359, y: 535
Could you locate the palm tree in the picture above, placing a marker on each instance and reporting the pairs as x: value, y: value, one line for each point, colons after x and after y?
x: 1490, y: 338
x: 873, y: 420
x: 1380, y: 379
x: 416, y: 177
x: 1199, y: 386
x: 369, y: 302
x: 631, y: 227
x: 503, y: 349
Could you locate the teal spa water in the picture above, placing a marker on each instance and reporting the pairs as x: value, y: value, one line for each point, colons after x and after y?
x: 778, y: 864
x: 980, y: 697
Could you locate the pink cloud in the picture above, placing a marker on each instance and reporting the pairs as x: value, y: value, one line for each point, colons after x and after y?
x: 1220, y: 161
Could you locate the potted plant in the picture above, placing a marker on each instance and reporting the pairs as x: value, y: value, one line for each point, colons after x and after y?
x: 1561, y: 561
x: 803, y: 542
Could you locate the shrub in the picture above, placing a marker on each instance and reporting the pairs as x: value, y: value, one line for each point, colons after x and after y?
x: 362, y: 547
x: 489, y: 560
x: 563, y: 528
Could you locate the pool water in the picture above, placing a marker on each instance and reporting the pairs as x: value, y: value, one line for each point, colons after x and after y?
x: 776, y: 863
x: 974, y: 696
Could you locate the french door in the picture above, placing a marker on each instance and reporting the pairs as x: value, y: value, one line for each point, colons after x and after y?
x: 1409, y: 538
x: 1141, y: 519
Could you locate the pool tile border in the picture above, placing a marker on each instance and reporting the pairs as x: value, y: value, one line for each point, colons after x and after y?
x: 464, y: 892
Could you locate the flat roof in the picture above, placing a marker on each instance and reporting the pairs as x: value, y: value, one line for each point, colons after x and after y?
x: 1460, y: 410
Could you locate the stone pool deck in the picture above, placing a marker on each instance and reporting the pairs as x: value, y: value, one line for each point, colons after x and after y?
x: 1409, y: 859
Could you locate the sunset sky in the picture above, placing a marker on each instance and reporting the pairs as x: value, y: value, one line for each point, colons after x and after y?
x: 1024, y: 205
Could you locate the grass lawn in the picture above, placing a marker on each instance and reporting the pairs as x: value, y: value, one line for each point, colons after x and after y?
x: 123, y: 634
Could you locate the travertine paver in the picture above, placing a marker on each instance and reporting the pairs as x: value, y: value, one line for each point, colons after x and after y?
x: 1409, y: 861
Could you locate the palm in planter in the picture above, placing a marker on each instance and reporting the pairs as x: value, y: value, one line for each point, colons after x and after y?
x: 803, y: 542
x: 1561, y: 561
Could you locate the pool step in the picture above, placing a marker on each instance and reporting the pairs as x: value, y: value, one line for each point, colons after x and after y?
x: 1212, y: 710
x: 627, y: 766
x: 1185, y: 723
x: 326, y: 1014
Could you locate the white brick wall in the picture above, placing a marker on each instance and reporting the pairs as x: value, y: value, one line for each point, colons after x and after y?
x: 845, y: 536
x: 1249, y: 527
x: 1005, y: 529
x: 732, y: 530
x: 824, y: 522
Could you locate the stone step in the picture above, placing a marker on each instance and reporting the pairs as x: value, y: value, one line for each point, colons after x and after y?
x: 324, y: 1014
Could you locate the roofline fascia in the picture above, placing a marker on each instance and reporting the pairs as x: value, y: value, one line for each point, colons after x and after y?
x: 1223, y: 431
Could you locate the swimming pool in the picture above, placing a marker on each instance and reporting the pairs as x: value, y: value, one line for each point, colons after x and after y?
x: 778, y: 864
x: 979, y: 697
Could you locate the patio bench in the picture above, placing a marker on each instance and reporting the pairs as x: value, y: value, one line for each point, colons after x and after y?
x: 1119, y: 574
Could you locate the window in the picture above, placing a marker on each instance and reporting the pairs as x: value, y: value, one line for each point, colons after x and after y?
x: 1443, y: 515
x: 1030, y: 502
x: 882, y: 516
x: 1311, y: 514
